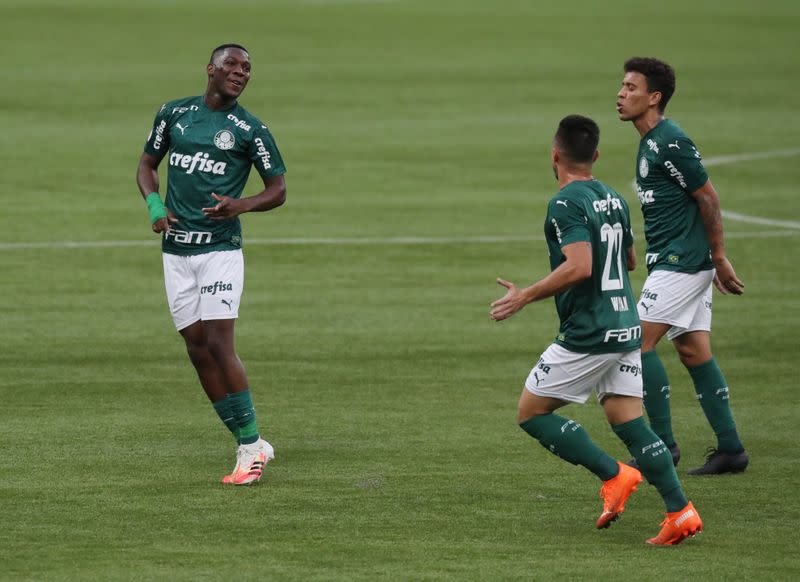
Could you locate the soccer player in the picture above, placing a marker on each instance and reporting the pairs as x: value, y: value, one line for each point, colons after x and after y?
x: 210, y: 142
x: 685, y: 253
x: 590, y: 245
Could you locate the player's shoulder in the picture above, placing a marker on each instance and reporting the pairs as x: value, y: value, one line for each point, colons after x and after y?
x: 581, y: 190
x: 574, y: 195
x: 245, y: 115
x: 174, y: 109
x: 670, y: 132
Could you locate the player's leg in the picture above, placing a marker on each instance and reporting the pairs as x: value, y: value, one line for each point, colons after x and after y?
x: 619, y: 392
x: 180, y: 282
x: 561, y: 377
x: 209, y: 374
x: 656, y: 392
x: 561, y: 436
x: 624, y: 413
x: 221, y: 278
x: 694, y: 349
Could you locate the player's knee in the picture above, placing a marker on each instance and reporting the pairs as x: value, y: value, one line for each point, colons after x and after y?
x: 220, y: 348
x: 692, y: 355
x: 198, y: 354
x: 526, y: 414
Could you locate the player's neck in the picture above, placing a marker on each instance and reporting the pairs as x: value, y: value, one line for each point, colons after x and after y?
x: 568, y: 175
x: 216, y: 101
x: 647, y: 121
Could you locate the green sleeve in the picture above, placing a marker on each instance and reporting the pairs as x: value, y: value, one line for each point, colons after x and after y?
x: 264, y: 153
x: 684, y: 165
x: 569, y: 221
x: 157, y: 143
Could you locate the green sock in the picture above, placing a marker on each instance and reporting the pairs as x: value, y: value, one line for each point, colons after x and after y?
x: 712, y: 392
x: 245, y: 415
x: 223, y: 408
x: 567, y: 439
x: 656, y: 396
x: 654, y: 461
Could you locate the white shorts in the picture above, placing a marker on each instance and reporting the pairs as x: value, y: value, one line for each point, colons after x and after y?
x: 571, y: 376
x: 682, y: 300
x: 203, y: 287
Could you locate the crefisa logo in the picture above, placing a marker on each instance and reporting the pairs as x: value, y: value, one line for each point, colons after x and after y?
x: 224, y: 139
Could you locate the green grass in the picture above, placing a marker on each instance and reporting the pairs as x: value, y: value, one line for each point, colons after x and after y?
x: 389, y: 395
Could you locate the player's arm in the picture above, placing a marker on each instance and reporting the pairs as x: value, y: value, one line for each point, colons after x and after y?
x: 272, y: 196
x: 576, y: 268
x: 631, y: 260
x: 708, y: 203
x: 267, y: 160
x: 147, y: 180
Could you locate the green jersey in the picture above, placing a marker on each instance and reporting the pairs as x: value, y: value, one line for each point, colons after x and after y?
x: 669, y: 169
x: 208, y: 151
x: 598, y: 315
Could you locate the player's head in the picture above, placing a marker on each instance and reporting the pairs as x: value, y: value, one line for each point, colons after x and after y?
x: 575, y: 143
x: 229, y: 70
x: 648, y: 85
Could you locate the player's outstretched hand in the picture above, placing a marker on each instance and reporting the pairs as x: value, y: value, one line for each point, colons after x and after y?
x: 725, y: 279
x: 225, y: 208
x: 508, y: 304
x: 163, y: 224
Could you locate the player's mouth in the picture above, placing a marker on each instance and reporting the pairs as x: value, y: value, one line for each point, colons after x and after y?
x: 619, y: 107
x: 239, y: 85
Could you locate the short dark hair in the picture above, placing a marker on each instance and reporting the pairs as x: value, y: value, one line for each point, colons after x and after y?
x: 660, y: 77
x: 222, y: 47
x: 577, y: 138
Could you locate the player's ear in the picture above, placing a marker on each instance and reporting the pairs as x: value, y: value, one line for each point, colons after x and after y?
x: 595, y: 156
x: 554, y: 155
x: 655, y: 98
x: 210, y: 69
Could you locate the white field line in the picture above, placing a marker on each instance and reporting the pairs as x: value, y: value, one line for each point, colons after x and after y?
x: 423, y: 240
x: 399, y: 240
x: 732, y: 159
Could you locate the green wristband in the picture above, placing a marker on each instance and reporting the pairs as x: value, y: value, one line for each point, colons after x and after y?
x: 156, y: 207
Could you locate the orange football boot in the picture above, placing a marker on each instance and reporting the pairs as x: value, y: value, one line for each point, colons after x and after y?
x: 678, y: 526
x: 615, y: 493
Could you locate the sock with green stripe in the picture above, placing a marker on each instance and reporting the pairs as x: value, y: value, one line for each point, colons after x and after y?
x: 656, y: 396
x: 223, y: 409
x: 567, y: 439
x: 712, y: 392
x: 654, y: 461
x: 245, y: 415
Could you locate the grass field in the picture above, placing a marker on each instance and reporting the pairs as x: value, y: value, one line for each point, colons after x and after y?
x: 389, y: 395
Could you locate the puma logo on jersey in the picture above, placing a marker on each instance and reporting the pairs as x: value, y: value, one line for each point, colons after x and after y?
x: 674, y: 145
x: 646, y: 307
x: 182, y: 128
x: 564, y: 202
x: 199, y: 161
x: 228, y: 303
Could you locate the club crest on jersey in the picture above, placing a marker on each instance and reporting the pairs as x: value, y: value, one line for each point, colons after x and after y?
x: 224, y: 139
x: 644, y: 169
